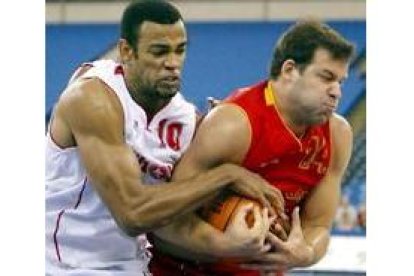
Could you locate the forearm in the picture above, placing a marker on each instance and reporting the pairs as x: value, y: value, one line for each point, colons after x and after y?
x: 190, y: 237
x: 164, y: 202
x: 317, y: 237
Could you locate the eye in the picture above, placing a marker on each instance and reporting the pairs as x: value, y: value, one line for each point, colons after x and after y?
x: 158, y: 52
x: 181, y: 50
x: 326, y: 77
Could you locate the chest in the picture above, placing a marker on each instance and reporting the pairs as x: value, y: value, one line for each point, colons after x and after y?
x: 278, y: 155
x: 293, y: 166
x: 159, y: 144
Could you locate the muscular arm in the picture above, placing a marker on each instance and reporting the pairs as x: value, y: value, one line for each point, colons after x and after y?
x: 310, y: 232
x: 90, y: 116
x: 223, y: 136
x: 319, y: 209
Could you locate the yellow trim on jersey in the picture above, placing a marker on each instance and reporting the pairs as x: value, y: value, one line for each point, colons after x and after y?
x: 270, y: 100
x: 269, y: 95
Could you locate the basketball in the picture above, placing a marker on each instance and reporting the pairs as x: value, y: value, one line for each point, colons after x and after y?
x: 222, y: 210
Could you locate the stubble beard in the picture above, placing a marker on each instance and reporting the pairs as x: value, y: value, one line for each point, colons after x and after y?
x: 164, y: 92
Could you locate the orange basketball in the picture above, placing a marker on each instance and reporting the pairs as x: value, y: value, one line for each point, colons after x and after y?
x: 221, y: 211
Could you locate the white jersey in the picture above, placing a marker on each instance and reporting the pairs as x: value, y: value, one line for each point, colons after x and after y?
x: 80, y: 231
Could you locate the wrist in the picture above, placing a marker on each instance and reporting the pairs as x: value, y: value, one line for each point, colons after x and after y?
x: 219, y: 246
x: 228, y: 173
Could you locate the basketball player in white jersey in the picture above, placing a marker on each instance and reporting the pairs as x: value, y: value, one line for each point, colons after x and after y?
x: 113, y: 139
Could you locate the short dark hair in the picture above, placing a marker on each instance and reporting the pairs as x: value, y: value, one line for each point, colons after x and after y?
x: 157, y: 11
x: 300, y: 42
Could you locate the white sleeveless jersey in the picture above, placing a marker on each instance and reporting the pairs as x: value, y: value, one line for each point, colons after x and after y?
x: 80, y: 231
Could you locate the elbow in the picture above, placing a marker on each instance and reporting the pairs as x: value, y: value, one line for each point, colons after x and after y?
x: 317, y: 238
x: 133, y: 231
x: 139, y: 214
x: 139, y: 221
x: 321, y: 249
x: 133, y: 226
x: 131, y: 214
x: 324, y: 248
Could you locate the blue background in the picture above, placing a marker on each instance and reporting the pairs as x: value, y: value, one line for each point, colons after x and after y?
x: 220, y: 58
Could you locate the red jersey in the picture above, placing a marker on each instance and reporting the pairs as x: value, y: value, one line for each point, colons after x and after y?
x: 293, y: 165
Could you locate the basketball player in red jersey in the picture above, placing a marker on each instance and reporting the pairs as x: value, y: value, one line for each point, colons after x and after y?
x: 285, y: 129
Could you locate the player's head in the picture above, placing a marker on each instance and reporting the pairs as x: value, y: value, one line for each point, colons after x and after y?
x: 312, y: 60
x: 152, y: 47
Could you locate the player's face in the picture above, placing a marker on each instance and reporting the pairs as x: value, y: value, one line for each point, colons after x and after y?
x: 317, y: 89
x: 161, y: 52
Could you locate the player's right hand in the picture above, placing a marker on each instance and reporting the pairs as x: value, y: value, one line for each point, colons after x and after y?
x: 281, y: 227
x: 294, y: 252
x: 254, y: 186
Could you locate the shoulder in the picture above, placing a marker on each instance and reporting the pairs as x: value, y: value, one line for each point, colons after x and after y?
x: 228, y: 117
x: 91, y: 93
x: 225, y: 130
x: 341, y: 130
x: 340, y: 124
x: 87, y: 102
x: 342, y: 137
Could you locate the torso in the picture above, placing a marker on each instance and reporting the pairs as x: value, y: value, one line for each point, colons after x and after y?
x: 294, y: 165
x: 71, y: 202
x: 291, y: 164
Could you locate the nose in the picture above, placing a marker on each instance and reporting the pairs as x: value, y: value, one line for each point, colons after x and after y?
x: 173, y: 62
x: 335, y: 91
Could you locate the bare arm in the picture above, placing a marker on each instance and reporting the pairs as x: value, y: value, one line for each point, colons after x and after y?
x: 224, y: 136
x: 90, y: 116
x: 309, y: 237
x: 319, y: 209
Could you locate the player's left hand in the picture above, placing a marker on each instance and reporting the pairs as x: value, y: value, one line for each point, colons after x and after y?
x: 294, y: 252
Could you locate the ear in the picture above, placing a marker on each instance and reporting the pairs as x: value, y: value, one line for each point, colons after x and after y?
x: 289, y: 70
x: 126, y: 52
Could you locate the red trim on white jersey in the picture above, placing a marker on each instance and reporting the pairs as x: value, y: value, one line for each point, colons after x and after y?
x: 55, y: 234
x: 60, y: 216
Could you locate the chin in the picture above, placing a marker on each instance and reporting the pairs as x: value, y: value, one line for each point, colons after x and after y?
x: 167, y: 94
x: 167, y: 91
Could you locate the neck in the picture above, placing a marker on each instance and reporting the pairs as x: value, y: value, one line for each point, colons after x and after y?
x: 285, y: 108
x: 148, y: 100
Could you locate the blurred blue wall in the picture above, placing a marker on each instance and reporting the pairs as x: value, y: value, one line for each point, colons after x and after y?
x: 221, y: 56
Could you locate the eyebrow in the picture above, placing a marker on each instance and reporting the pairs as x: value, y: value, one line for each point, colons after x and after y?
x: 160, y: 45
